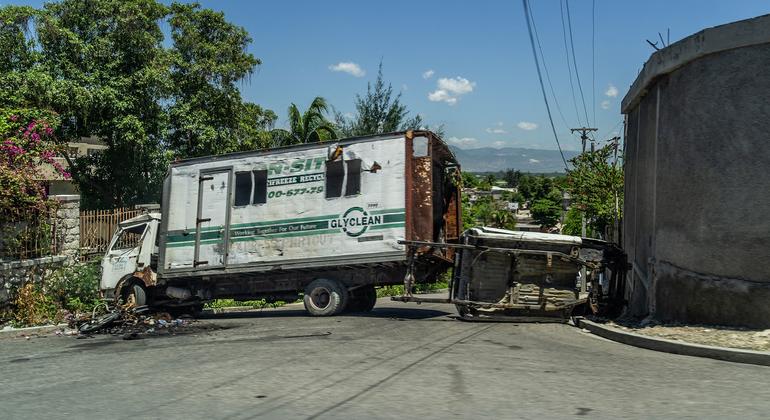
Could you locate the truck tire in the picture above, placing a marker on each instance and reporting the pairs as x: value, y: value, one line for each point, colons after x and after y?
x: 135, y: 295
x: 362, y: 300
x: 324, y: 297
x: 368, y: 298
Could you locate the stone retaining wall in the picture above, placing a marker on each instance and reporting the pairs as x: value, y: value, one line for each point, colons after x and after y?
x: 67, y: 225
x: 15, y: 274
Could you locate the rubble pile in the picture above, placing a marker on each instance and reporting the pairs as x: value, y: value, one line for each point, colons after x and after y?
x: 131, y: 323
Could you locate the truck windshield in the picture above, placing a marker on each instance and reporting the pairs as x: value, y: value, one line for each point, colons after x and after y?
x: 129, y: 238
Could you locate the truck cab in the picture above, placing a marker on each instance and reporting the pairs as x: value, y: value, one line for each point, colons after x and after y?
x: 132, y: 255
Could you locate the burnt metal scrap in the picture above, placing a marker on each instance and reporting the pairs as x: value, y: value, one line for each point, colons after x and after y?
x: 130, y: 321
x: 525, y: 274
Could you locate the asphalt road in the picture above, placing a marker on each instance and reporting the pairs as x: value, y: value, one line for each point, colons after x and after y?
x: 400, y: 361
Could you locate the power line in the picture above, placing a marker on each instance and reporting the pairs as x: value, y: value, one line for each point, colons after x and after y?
x: 569, y: 67
x: 574, y: 60
x: 594, y: 57
x: 540, y: 78
x: 547, y: 73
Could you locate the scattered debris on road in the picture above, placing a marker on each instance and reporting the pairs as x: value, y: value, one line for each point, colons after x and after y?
x: 133, y: 323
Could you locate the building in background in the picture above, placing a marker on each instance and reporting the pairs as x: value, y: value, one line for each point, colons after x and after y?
x: 697, y: 179
x: 57, y: 184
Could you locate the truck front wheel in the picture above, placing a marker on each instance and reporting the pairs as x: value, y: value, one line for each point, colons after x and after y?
x: 132, y: 294
x: 324, y: 297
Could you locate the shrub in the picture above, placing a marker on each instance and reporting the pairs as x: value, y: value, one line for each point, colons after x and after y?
x: 33, y: 307
x: 75, y: 287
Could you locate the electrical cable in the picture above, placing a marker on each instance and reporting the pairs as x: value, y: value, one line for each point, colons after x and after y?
x: 542, y: 85
x: 574, y: 61
x: 594, y: 58
x: 569, y: 67
x: 547, y: 73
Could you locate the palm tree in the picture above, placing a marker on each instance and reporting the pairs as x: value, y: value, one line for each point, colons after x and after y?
x: 310, y: 127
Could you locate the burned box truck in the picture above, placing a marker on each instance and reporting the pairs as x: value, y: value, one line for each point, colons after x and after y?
x: 323, y: 220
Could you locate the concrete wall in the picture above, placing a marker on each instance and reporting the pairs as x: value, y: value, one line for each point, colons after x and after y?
x: 696, y: 225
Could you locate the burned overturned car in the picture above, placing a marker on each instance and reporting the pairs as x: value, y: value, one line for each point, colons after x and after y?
x: 502, y: 274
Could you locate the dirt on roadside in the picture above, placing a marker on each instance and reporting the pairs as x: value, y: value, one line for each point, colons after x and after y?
x: 711, y: 335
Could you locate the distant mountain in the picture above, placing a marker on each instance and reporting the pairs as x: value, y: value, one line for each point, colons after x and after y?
x: 489, y: 159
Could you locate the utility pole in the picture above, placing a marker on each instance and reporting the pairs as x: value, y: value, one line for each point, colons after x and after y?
x: 584, y: 136
x: 616, y: 223
x: 583, y: 139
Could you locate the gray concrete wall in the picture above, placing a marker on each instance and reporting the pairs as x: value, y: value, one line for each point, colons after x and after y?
x: 696, y: 225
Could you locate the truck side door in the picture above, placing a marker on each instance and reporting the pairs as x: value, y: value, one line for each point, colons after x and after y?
x: 211, y: 232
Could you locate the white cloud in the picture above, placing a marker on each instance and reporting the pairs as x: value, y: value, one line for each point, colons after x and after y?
x: 428, y: 74
x: 457, y: 86
x: 496, y: 130
x: 499, y: 144
x: 450, y: 90
x: 464, y: 142
x: 605, y: 104
x: 442, y: 96
x: 526, y: 125
x: 349, y: 68
x: 534, y: 161
x: 611, y: 91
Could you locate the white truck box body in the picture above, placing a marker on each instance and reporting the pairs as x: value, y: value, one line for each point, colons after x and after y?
x: 205, y: 228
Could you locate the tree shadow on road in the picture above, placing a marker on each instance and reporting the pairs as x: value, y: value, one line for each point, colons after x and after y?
x: 385, y: 312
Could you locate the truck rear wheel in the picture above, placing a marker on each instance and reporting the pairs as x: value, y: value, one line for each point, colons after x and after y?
x: 324, y: 297
x: 363, y: 299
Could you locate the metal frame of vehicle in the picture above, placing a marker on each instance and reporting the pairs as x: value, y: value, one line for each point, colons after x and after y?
x: 499, y: 273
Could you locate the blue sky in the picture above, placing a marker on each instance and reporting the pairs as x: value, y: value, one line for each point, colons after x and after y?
x: 483, y: 87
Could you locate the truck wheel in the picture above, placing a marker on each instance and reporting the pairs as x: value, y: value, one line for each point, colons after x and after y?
x: 325, y: 297
x: 368, y: 298
x: 362, y: 299
x: 134, y: 295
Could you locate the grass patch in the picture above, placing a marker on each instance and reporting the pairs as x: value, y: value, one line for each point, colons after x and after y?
x: 398, y: 290
x: 252, y: 304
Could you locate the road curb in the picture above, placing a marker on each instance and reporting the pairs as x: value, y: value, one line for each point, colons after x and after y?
x: 21, y: 332
x: 670, y: 346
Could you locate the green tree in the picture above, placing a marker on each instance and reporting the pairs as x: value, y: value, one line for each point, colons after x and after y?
x: 573, y: 222
x: 208, y: 59
x: 308, y: 127
x: 512, y: 177
x: 107, y: 68
x: 379, y: 111
x: 545, y: 212
x: 596, y: 187
x: 469, y: 180
x: 102, y: 65
x: 503, y: 218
